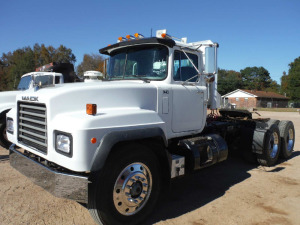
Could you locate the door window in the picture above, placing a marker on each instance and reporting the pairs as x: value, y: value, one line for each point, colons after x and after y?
x: 183, y: 68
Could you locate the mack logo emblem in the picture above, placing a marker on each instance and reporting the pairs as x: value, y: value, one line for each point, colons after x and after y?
x: 30, y: 98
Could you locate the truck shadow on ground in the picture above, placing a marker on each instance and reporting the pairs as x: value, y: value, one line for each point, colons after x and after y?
x: 4, y: 158
x: 189, y: 193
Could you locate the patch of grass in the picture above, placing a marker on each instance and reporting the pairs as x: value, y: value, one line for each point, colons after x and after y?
x: 278, y: 109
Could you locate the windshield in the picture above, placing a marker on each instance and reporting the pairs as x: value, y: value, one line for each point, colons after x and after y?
x: 24, y: 83
x: 44, y: 80
x: 149, y: 63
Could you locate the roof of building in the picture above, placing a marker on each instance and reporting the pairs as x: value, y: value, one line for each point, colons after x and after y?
x: 259, y: 94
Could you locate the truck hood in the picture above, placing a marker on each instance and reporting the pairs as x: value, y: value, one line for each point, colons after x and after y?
x: 108, y: 95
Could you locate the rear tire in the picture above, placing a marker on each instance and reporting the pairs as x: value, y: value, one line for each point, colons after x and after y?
x: 128, y: 187
x: 271, y: 122
x: 3, y: 138
x: 287, y: 135
x: 271, y: 147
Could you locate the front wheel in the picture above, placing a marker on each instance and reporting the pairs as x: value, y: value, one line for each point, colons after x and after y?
x: 4, y: 142
x: 127, y: 189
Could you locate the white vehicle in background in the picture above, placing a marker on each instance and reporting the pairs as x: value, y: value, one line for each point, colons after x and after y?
x: 91, y: 76
x: 47, y: 75
x: 115, y: 145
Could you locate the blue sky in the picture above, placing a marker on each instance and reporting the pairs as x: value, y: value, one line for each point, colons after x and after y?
x: 250, y: 33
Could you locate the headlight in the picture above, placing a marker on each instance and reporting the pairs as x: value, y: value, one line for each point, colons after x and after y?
x: 10, y: 125
x: 63, y: 143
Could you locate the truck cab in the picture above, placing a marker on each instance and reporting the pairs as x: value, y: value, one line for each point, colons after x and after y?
x: 30, y: 80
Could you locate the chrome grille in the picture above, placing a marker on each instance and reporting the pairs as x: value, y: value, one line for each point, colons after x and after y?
x: 32, y: 125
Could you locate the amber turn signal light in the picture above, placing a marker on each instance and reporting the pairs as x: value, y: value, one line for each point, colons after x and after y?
x: 91, y: 109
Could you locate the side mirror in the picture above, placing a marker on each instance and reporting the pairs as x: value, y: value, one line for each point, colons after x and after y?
x: 210, y: 60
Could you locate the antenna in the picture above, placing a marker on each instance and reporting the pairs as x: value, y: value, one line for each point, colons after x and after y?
x: 151, y: 33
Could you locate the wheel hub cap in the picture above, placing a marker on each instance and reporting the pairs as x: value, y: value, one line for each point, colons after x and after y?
x: 136, y: 189
x: 132, y: 189
x: 273, y: 145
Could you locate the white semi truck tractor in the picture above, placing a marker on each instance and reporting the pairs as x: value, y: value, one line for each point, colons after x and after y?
x: 115, y: 145
x: 52, y: 73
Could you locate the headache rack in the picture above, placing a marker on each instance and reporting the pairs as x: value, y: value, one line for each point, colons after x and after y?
x: 32, y: 125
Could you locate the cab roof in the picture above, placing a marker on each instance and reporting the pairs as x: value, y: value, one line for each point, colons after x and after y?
x: 153, y: 40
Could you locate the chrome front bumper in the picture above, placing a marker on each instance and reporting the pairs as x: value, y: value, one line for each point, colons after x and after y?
x: 62, y: 185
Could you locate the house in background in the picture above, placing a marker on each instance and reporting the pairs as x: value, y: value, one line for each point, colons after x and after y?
x: 251, y: 99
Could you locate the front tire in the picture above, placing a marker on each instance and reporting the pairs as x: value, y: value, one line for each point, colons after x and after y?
x: 128, y: 187
x: 4, y: 142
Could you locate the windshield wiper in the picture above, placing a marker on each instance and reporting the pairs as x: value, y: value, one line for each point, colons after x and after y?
x: 139, y: 77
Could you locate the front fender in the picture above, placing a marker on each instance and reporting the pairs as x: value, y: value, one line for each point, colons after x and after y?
x: 7, y: 101
x: 112, y: 138
x: 108, y: 127
x: 3, y: 112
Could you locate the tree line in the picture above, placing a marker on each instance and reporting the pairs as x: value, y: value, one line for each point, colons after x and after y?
x: 250, y: 78
x: 23, y: 60
x: 258, y: 78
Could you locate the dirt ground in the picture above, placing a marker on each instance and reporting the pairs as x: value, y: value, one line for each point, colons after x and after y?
x: 232, y: 192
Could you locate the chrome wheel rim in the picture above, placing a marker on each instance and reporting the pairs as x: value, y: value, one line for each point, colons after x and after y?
x: 132, y: 189
x: 290, y: 140
x: 273, y: 145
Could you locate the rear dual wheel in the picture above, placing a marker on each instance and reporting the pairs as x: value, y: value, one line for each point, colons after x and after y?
x: 287, y: 135
x: 279, y: 141
x: 271, y: 147
x: 127, y: 189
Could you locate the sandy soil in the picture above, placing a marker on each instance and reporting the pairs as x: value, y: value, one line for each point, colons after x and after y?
x: 233, y: 192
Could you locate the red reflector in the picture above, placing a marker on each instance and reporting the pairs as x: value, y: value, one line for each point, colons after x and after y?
x: 93, y: 140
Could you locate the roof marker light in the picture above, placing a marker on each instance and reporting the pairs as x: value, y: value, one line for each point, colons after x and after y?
x: 160, y: 32
x: 165, y: 35
x: 138, y: 36
x: 129, y: 37
x: 120, y: 39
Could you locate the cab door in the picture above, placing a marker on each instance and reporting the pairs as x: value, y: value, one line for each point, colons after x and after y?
x: 188, y: 107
